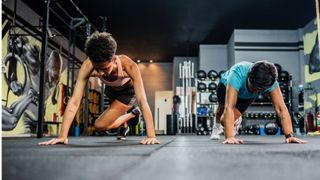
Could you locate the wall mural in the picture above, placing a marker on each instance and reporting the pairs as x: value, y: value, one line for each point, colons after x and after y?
x: 21, y: 80
x: 312, y: 75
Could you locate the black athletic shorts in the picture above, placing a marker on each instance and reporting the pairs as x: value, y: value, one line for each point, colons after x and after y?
x: 242, y: 104
x: 126, y: 95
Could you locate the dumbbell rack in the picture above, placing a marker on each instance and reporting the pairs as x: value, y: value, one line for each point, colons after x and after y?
x: 206, y: 109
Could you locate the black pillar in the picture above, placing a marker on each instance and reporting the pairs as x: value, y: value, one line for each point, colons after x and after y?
x: 43, y: 68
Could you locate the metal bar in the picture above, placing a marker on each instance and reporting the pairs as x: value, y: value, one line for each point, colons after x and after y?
x: 81, y: 13
x: 42, y: 68
x: 14, y: 13
x: 78, y: 10
x: 54, y: 12
x: 73, y: 55
x: 86, y: 110
x: 68, y: 66
x: 63, y: 10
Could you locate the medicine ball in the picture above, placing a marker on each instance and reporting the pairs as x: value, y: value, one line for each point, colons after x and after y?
x: 212, y: 86
x: 284, y: 76
x: 213, y: 98
x: 201, y: 74
x: 213, y: 75
x: 271, y: 128
x: 202, y: 87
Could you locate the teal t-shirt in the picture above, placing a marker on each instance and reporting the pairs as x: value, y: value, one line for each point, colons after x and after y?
x: 237, y: 75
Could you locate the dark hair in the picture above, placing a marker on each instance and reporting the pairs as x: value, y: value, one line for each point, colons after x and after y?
x: 100, y: 46
x: 263, y: 74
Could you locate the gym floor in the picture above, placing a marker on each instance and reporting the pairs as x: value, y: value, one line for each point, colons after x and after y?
x: 177, y: 157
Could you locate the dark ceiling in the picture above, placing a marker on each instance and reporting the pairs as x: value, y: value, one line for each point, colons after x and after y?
x: 162, y: 29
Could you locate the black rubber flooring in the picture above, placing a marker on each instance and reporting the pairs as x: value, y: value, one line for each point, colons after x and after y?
x: 177, y: 157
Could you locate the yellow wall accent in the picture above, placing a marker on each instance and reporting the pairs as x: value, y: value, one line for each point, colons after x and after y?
x: 310, y: 77
x: 309, y: 41
x: 308, y: 104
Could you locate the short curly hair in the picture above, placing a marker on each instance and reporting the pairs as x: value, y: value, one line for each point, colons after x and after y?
x: 263, y: 74
x: 100, y: 47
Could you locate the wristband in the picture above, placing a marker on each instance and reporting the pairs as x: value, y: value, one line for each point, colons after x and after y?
x: 289, y: 135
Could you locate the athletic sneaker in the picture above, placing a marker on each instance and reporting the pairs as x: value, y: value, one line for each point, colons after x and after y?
x: 218, y: 129
x: 134, y: 121
x: 135, y: 110
x: 237, y: 126
x: 122, y: 132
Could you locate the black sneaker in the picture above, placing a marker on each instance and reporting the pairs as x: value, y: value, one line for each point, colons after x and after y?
x: 134, y: 121
x: 135, y: 110
x: 122, y: 132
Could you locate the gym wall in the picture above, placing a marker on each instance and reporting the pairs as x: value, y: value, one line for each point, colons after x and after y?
x: 213, y: 57
x: 24, y: 106
x: 156, y: 77
x: 311, y: 67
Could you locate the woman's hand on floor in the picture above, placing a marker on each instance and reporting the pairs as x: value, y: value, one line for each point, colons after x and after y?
x: 55, y: 141
x: 149, y: 141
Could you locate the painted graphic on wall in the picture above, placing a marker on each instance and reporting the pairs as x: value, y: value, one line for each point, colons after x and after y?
x: 312, y: 75
x: 21, y: 80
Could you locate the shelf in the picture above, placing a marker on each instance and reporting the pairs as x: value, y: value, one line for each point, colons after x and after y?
x: 215, y: 103
x: 204, y: 116
x: 207, y: 80
x: 262, y: 103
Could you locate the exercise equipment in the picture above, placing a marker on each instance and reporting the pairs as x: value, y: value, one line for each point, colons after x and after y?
x: 284, y: 76
x: 212, y: 86
x: 213, y: 75
x: 213, y: 98
x: 201, y: 74
x: 186, y: 75
x: 202, y: 87
x: 271, y: 128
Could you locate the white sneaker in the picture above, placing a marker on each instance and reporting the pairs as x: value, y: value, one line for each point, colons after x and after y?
x: 216, y: 131
x: 237, y: 126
